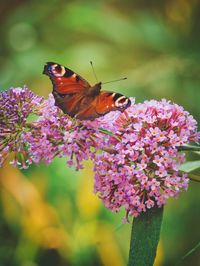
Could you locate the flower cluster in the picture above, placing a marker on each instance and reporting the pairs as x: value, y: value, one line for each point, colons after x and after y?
x: 142, y: 171
x: 16, y: 105
x: 51, y: 134
x: 55, y: 134
x: 139, y: 160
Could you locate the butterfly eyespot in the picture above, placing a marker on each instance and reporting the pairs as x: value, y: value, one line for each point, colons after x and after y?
x: 121, y: 101
x: 58, y: 70
x: 49, y: 69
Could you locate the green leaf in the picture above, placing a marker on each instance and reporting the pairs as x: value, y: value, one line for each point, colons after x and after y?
x: 192, y: 170
x: 191, y: 251
x: 107, y: 132
x: 189, y: 148
x: 190, y: 166
x: 32, y: 117
x: 144, y: 237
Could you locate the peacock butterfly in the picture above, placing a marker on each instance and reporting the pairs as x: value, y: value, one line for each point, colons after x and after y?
x: 77, y: 98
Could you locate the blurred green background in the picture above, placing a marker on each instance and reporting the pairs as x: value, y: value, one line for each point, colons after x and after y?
x: 49, y: 215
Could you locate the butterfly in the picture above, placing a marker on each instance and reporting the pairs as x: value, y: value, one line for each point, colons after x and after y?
x: 77, y: 98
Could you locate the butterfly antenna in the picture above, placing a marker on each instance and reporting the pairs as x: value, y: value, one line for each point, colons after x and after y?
x: 113, y: 80
x: 93, y: 71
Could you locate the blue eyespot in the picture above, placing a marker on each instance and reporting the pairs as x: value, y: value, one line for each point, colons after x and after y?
x: 49, y: 69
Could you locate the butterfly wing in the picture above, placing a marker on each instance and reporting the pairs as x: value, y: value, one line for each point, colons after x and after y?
x: 68, y: 103
x: 64, y: 80
x: 103, y: 104
x: 75, y: 97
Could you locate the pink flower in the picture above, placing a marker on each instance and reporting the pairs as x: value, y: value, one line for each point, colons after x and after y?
x: 149, y: 203
x: 51, y: 134
x: 158, y: 160
x: 137, y: 167
x: 16, y: 105
x: 161, y: 172
x: 153, y: 131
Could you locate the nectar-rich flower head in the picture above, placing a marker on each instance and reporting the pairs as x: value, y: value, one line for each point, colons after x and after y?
x: 143, y: 169
x: 16, y: 105
x: 135, y: 153
x: 56, y: 134
x: 51, y: 134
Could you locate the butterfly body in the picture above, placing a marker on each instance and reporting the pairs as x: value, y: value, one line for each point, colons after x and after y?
x: 77, y: 98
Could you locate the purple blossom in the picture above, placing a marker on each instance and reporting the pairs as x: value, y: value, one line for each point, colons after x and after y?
x: 56, y: 134
x: 137, y: 167
x: 16, y: 105
x: 51, y: 134
x: 148, y: 137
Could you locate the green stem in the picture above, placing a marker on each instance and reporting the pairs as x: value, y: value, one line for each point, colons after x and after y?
x: 144, y: 237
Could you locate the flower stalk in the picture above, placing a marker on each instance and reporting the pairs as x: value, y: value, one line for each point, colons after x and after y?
x: 145, y: 237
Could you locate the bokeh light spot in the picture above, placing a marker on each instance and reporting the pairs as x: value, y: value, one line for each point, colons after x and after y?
x: 22, y: 36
